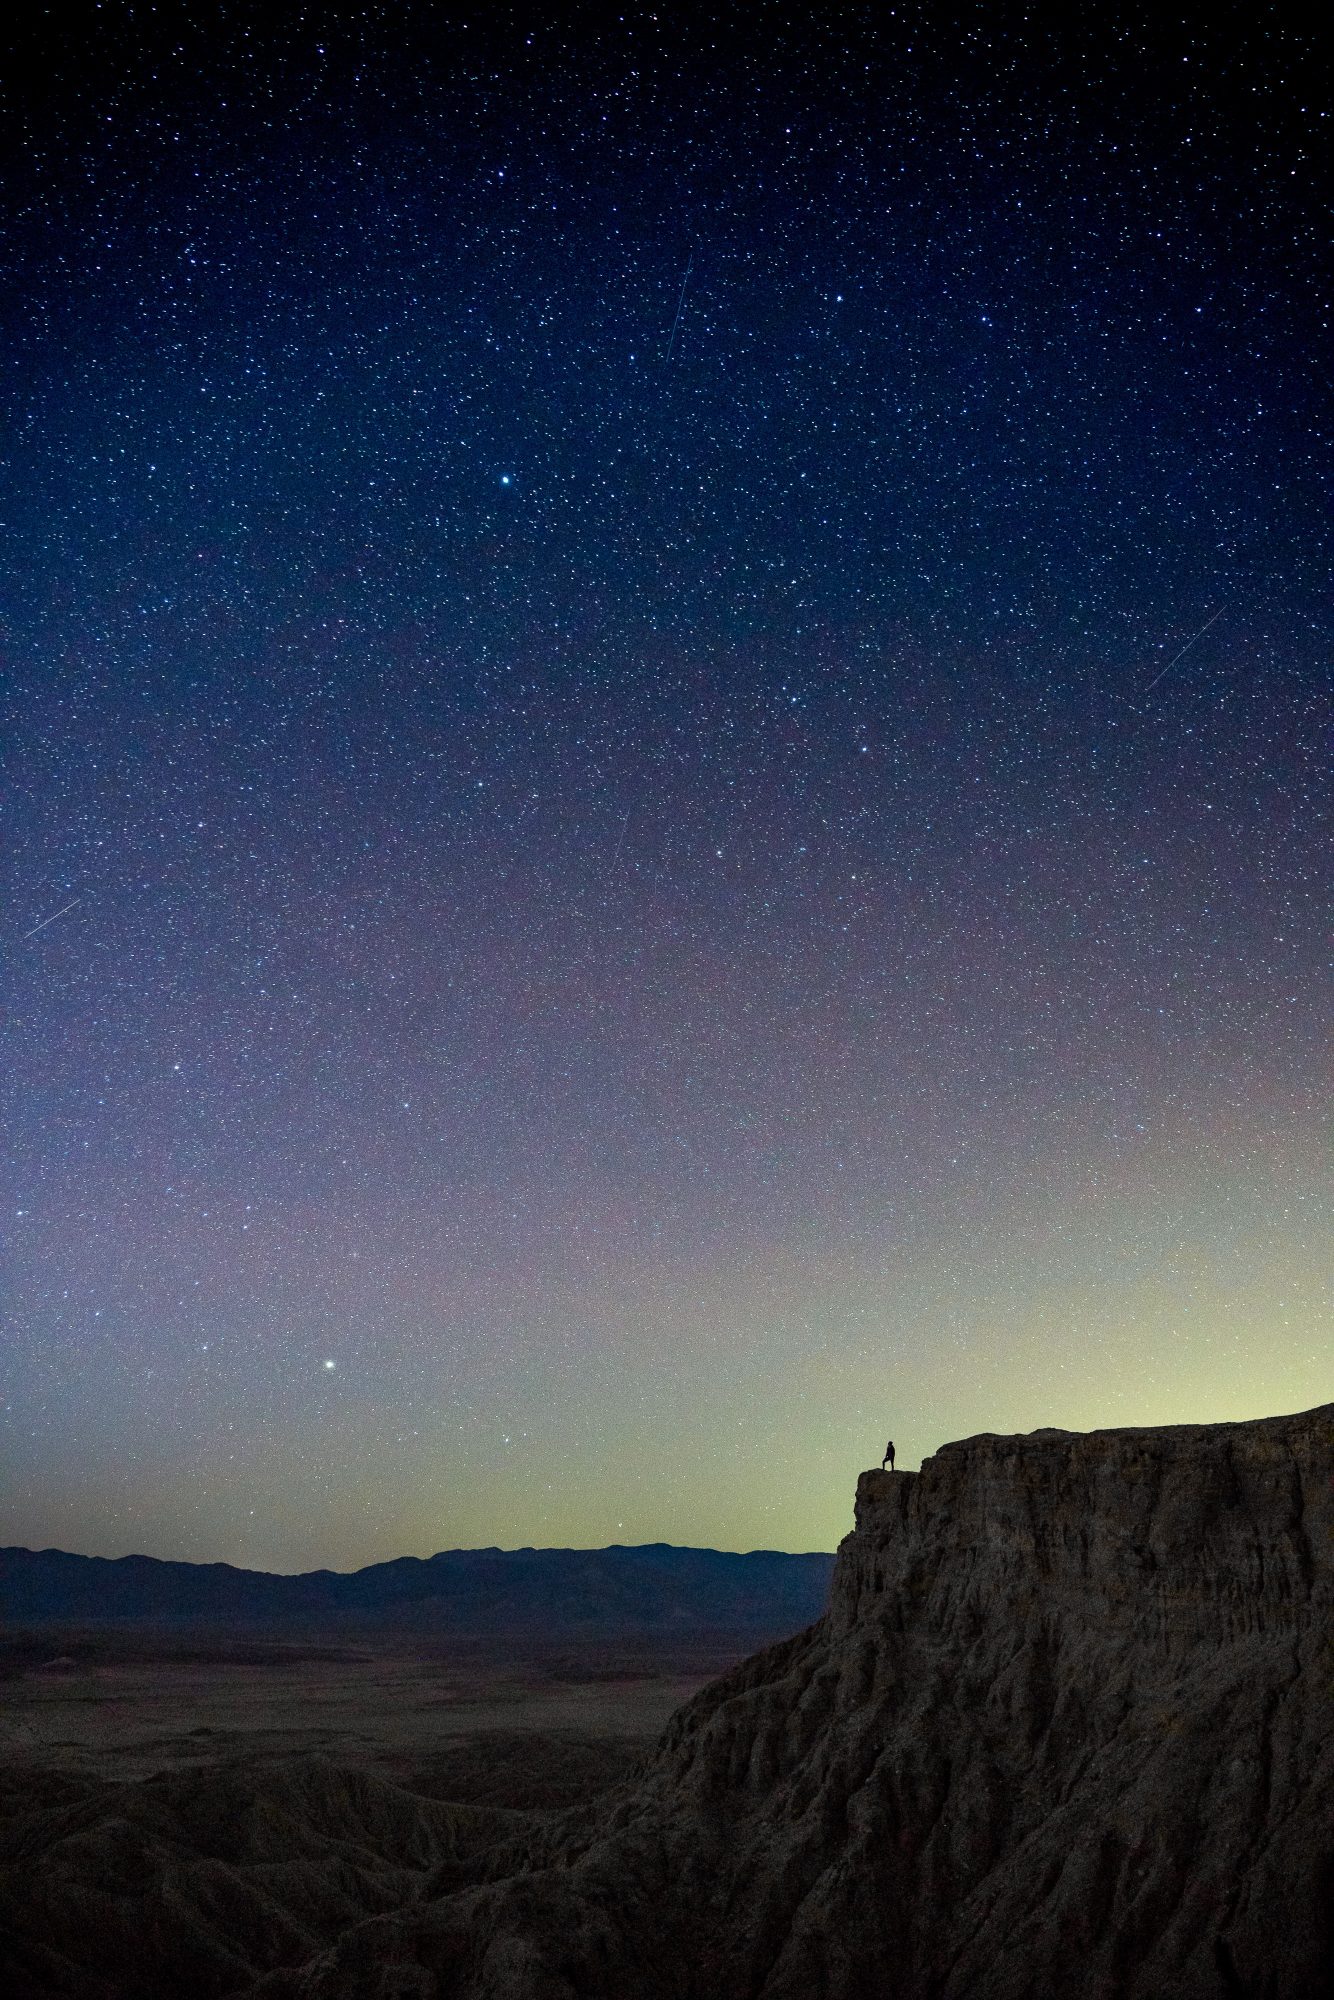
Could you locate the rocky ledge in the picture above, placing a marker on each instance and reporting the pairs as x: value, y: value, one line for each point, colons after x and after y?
x: 1201, y: 1531
x: 1068, y: 1725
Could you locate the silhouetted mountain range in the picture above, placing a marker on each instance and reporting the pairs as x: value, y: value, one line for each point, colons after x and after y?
x: 493, y: 1593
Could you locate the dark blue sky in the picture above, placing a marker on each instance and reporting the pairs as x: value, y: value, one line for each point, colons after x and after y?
x: 671, y: 667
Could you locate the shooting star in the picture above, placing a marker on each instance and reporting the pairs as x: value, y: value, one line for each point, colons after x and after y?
x: 690, y: 265
x: 1186, y: 648
x: 48, y: 920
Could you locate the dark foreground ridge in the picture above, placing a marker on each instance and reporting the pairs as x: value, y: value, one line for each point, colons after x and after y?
x: 1065, y: 1728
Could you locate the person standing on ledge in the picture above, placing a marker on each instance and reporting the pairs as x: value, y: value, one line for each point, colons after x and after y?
x: 888, y: 1459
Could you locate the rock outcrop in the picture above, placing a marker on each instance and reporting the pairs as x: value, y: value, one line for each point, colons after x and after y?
x: 1066, y: 1728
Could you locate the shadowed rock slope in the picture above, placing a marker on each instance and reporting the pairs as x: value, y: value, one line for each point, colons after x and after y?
x: 1068, y: 1726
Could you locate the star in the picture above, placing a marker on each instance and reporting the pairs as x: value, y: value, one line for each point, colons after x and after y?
x: 672, y: 1141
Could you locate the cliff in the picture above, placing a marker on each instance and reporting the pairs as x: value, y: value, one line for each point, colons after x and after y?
x: 1071, y: 1714
x: 1067, y: 1726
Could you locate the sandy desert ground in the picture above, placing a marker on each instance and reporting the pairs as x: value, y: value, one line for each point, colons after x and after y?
x: 496, y: 1731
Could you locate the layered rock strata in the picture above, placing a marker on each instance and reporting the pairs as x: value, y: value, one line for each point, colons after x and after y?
x: 1068, y: 1726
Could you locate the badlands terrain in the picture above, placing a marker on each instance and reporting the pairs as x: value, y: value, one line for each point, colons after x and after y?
x: 1067, y: 1726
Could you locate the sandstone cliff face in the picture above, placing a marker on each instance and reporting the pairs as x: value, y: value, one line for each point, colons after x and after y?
x: 1068, y: 1727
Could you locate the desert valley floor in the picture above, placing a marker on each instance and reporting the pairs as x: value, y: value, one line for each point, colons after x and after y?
x: 522, y: 1734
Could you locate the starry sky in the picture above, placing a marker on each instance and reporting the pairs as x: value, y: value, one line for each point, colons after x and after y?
x: 662, y: 703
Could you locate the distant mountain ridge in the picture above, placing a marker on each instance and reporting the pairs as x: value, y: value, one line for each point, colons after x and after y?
x: 606, y: 1593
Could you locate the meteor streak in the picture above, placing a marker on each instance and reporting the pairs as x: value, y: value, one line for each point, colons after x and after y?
x: 48, y: 920
x: 690, y: 265
x: 1186, y: 648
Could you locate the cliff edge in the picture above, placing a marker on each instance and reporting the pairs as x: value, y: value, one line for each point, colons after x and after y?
x: 1068, y: 1724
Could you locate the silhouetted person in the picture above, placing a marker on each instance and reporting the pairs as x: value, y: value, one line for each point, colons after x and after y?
x: 888, y: 1459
